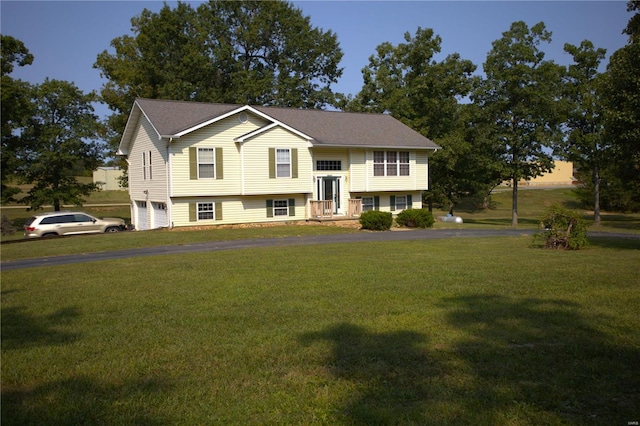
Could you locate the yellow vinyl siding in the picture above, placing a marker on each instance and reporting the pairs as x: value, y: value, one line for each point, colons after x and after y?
x: 218, y: 135
x: 357, y: 170
x: 385, y: 199
x: 255, y: 153
x: 328, y: 154
x: 422, y: 170
x: 237, y: 210
x: 417, y: 179
x: 146, y: 140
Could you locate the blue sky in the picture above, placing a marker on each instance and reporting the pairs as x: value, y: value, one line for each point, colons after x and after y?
x: 66, y: 36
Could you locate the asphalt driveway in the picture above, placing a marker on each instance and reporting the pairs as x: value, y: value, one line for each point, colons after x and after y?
x: 358, y: 237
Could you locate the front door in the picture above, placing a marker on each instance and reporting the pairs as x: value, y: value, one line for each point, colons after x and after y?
x: 329, y: 189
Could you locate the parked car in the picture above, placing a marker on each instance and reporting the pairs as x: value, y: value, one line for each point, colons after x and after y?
x: 69, y: 223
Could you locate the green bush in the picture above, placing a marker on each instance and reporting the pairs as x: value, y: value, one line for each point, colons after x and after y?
x: 418, y: 218
x: 562, y: 229
x: 376, y: 220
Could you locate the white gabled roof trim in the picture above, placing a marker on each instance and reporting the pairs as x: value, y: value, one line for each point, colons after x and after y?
x: 128, y: 127
x: 273, y: 121
x: 256, y: 132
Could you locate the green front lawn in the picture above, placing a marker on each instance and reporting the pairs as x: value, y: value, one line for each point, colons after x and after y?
x: 462, y: 331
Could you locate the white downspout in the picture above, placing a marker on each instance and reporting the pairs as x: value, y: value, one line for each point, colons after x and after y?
x: 169, y: 185
x: 242, y: 168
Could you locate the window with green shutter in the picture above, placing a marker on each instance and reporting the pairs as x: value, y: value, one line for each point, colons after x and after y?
x: 283, y: 163
x: 205, y: 163
x: 281, y: 207
x: 205, y: 211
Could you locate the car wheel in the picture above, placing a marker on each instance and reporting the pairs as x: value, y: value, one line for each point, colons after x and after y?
x: 49, y: 235
x: 112, y: 229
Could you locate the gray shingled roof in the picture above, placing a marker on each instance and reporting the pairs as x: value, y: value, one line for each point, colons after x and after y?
x: 327, y: 128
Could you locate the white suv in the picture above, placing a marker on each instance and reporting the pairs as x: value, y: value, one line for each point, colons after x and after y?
x: 69, y: 223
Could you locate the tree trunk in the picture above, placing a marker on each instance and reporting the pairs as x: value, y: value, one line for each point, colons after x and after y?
x: 514, y: 208
x: 56, y: 205
x: 596, y: 195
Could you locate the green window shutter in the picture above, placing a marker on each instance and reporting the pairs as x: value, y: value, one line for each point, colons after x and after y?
x: 193, y: 212
x: 294, y: 162
x: 376, y: 203
x: 393, y: 202
x: 193, y: 163
x: 219, y: 172
x: 292, y: 206
x: 409, y: 202
x: 269, y: 208
x: 218, y: 208
x: 272, y: 163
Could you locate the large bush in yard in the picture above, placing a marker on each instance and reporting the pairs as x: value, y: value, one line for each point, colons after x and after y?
x: 415, y: 218
x: 376, y: 220
x: 562, y: 229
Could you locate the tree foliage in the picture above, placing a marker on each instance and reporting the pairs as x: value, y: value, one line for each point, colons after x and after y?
x: 621, y: 102
x: 519, y: 99
x: 14, y: 109
x: 468, y: 165
x: 57, y: 144
x: 407, y: 82
x: 585, y: 145
x: 260, y: 53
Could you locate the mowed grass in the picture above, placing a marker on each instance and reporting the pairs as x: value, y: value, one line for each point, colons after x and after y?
x: 488, y: 331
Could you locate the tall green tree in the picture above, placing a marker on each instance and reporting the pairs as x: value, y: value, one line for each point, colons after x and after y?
x: 585, y: 145
x: 58, y: 144
x: 519, y: 97
x: 468, y: 165
x: 261, y: 53
x: 621, y: 101
x: 407, y: 82
x: 14, y: 109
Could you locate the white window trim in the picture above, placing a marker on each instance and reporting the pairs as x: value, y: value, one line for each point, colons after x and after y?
x: 213, y: 211
x: 144, y: 165
x: 207, y: 163
x: 275, y: 208
x: 279, y: 163
x: 385, y: 164
x: 372, y: 204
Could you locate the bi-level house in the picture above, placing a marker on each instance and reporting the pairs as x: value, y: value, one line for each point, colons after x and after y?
x: 194, y: 164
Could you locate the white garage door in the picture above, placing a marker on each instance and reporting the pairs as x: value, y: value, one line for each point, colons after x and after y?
x: 159, y: 215
x: 142, y: 219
